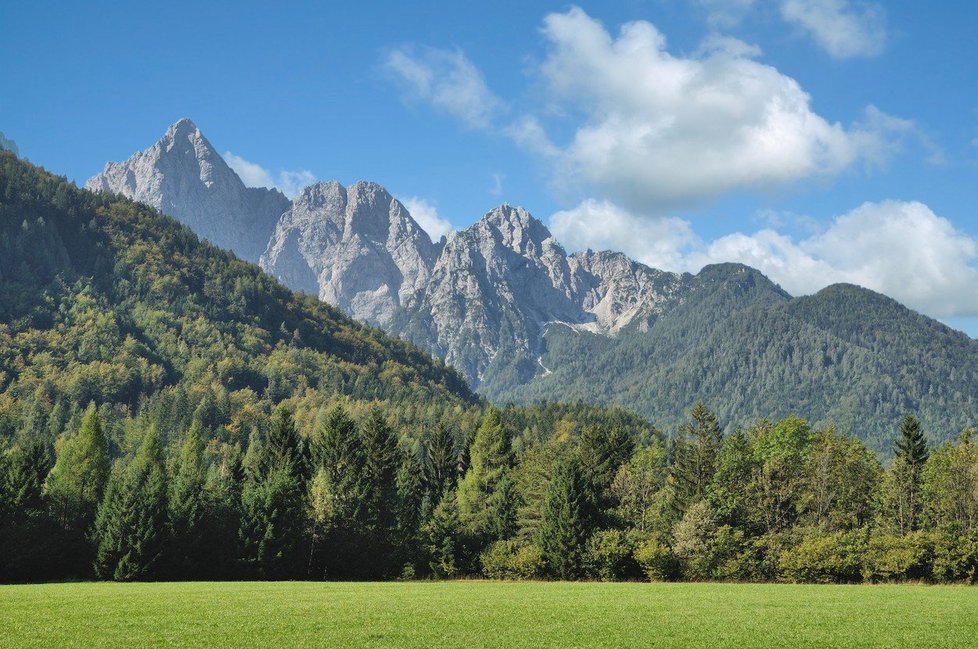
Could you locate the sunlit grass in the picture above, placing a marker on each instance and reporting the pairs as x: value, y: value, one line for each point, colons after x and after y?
x: 485, y: 614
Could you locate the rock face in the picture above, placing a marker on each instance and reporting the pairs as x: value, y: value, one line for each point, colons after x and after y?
x: 356, y: 248
x: 183, y: 176
x: 498, y: 284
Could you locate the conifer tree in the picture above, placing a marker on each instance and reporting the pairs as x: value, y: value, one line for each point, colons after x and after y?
x: 274, y: 509
x: 411, y: 505
x: 81, y: 471
x: 28, y: 543
x: 130, y: 528
x: 490, y: 459
x: 440, y: 462
x: 284, y: 449
x: 601, y: 453
x: 222, y: 502
x: 567, y: 519
x: 381, y: 461
x: 274, y: 523
x: 911, y: 456
x: 338, y: 449
x: 186, y: 505
x: 696, y: 451
x: 443, y: 534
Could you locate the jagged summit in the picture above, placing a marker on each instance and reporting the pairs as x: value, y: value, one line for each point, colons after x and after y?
x: 183, y: 175
x: 356, y: 247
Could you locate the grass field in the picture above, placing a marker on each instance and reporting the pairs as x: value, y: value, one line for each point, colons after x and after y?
x: 485, y: 614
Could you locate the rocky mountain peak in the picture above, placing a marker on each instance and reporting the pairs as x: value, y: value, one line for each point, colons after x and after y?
x: 183, y: 175
x: 356, y: 247
x: 517, y: 228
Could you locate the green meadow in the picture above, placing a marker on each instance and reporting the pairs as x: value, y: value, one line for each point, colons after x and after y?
x: 485, y: 614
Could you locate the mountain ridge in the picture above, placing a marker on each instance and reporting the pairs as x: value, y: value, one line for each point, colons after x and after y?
x: 487, y: 299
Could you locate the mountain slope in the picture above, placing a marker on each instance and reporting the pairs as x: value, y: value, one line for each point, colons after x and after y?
x: 183, y: 176
x: 845, y: 356
x: 105, y: 299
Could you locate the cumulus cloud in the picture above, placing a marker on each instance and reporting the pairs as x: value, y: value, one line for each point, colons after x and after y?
x: 447, y: 80
x: 289, y: 183
x: 659, y: 131
x: 602, y: 225
x: 901, y: 249
x: 843, y: 29
x: 426, y: 214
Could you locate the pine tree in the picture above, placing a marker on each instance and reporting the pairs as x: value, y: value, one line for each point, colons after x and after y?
x: 567, y: 519
x: 186, y: 505
x: 911, y: 456
x: 381, y: 461
x: 81, y: 471
x: 490, y: 459
x: 130, y: 528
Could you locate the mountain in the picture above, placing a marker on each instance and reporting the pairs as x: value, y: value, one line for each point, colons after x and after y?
x: 104, y: 299
x: 356, y: 248
x: 183, y: 176
x: 524, y: 321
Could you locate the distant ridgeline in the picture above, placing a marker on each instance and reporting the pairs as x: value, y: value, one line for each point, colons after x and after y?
x: 523, y: 321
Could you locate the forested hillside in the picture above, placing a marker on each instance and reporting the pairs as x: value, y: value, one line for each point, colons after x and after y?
x: 106, y: 300
x: 846, y: 356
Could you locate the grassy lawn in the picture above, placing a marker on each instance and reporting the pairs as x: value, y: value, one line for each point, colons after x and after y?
x: 485, y: 614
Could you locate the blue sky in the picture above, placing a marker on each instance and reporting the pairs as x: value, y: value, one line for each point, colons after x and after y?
x: 819, y: 140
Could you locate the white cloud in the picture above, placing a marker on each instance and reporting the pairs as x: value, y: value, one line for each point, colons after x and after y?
x: 426, y: 214
x: 659, y: 131
x: 497, y: 183
x: 901, y: 249
x: 843, y: 29
x: 448, y: 80
x: 601, y: 225
x: 724, y: 14
x: 289, y: 183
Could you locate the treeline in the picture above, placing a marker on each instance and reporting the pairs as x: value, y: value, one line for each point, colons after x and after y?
x: 350, y: 498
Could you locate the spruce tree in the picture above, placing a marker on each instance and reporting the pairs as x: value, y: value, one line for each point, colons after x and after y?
x: 601, y: 453
x: 444, y: 538
x: 274, y: 513
x: 696, y: 451
x: 381, y: 461
x: 338, y: 449
x: 440, y: 462
x: 911, y: 456
x: 130, y: 528
x: 222, y: 502
x: 284, y: 449
x: 490, y: 459
x: 413, y: 507
x: 567, y: 519
x: 29, y: 543
x: 274, y: 524
x: 186, y: 508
